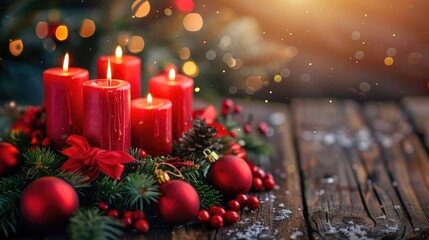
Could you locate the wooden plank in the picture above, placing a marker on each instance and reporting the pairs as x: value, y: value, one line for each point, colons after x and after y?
x: 417, y: 108
x: 347, y: 189
x: 405, y: 159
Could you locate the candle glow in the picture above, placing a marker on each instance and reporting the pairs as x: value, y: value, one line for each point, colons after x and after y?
x: 109, y: 73
x: 118, y: 52
x: 171, y: 75
x: 66, y: 63
x: 149, y: 98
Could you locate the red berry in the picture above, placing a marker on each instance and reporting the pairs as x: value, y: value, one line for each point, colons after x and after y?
x: 128, y: 214
x: 263, y: 128
x: 268, y: 175
x: 257, y: 184
x: 138, y: 214
x: 231, y: 217
x: 216, y: 210
x: 247, y: 128
x: 227, y: 103
x: 203, y: 216
x: 142, y: 153
x: 113, y: 213
x: 216, y: 221
x: 141, y: 226
x: 242, y: 199
x: 234, y: 205
x: 224, y: 111
x: 253, y: 203
x: 233, y: 134
x: 237, y: 109
x: 269, y: 184
x: 127, y: 221
x: 46, y: 142
x: 103, y: 206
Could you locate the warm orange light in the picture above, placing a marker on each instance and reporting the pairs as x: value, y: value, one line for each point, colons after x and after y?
x: 109, y: 73
x: 172, y: 74
x: 66, y: 63
x: 149, y: 98
x: 118, y: 52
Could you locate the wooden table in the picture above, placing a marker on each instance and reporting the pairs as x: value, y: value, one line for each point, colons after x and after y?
x: 344, y: 171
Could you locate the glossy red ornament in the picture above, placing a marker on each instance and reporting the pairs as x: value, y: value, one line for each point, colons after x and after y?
x: 242, y: 199
x: 253, y: 202
x: 178, y: 203
x: 231, y: 217
x: 229, y: 174
x: 203, y: 216
x: 234, y: 205
x: 9, y: 157
x: 47, y: 203
x: 141, y: 226
x: 216, y: 221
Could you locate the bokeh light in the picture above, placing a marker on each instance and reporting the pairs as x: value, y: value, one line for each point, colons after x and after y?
x: 42, y: 30
x: 415, y: 58
x: 16, y: 47
x: 355, y: 35
x: 123, y: 38
x: 365, y: 87
x: 210, y: 54
x: 285, y: 72
x: 135, y: 44
x: 253, y: 83
x: 388, y: 61
x: 291, y: 51
x: 277, y: 78
x: 61, y: 33
x: 140, y: 8
x: 190, y: 68
x: 87, y: 28
x: 168, y: 12
x: 193, y: 22
x: 305, y: 77
x: 184, y: 5
x: 391, y: 52
x: 197, y: 89
x: 359, y: 54
x: 184, y: 53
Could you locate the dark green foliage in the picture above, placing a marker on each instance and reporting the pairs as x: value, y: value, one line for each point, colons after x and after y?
x: 77, y: 180
x: 21, y: 140
x: 9, y: 212
x: 138, y: 190
x: 208, y: 195
x: 108, y: 190
x: 41, y: 162
x: 200, y: 137
x: 88, y: 224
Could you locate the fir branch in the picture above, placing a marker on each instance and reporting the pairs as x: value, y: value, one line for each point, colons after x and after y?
x: 21, y: 140
x: 41, y: 162
x: 88, y: 224
x: 12, y: 182
x: 77, y: 180
x: 139, y: 189
x: 208, y: 195
x: 108, y: 190
x: 255, y: 146
x: 10, y: 218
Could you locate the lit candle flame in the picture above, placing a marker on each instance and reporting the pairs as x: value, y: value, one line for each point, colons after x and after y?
x: 66, y: 63
x: 109, y: 73
x: 118, y: 52
x: 172, y: 74
x: 149, y: 98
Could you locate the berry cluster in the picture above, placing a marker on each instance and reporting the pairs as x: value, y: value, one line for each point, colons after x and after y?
x: 32, y: 123
x: 228, y: 106
x: 261, y: 180
x: 136, y: 219
x: 217, y: 216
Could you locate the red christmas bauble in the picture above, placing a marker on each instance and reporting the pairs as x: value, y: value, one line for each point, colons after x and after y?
x: 47, y: 204
x: 178, y: 203
x: 230, y: 175
x: 9, y: 157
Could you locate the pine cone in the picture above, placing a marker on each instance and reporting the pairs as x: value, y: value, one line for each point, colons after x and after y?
x: 200, y: 137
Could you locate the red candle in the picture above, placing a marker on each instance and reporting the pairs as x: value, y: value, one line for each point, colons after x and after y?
x: 125, y: 67
x: 179, y: 89
x: 106, y: 109
x: 151, y: 125
x: 63, y: 102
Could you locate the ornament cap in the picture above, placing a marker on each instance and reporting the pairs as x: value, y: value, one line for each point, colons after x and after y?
x: 162, y: 176
x: 211, y: 157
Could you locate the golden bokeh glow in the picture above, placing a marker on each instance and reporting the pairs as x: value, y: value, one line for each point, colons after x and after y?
x: 197, y: 89
x: 193, y: 22
x: 277, y: 78
x: 61, y: 33
x: 140, y: 8
x: 42, y: 30
x: 16, y: 47
x: 66, y: 63
x: 184, y: 53
x: 168, y: 12
x: 135, y: 44
x: 190, y: 68
x: 388, y: 61
x: 87, y: 28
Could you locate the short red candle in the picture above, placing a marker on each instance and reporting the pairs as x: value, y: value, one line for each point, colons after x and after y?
x: 151, y: 125
x: 179, y: 89
x: 106, y: 112
x: 63, y: 102
x: 124, y: 67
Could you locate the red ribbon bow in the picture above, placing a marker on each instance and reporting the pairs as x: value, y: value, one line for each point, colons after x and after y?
x: 91, y: 160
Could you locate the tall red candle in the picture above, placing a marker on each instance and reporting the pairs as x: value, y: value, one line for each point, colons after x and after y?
x: 106, y: 109
x: 124, y: 67
x: 63, y: 102
x: 151, y: 125
x: 179, y: 89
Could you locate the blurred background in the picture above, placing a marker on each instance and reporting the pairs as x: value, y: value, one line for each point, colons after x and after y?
x: 273, y: 50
